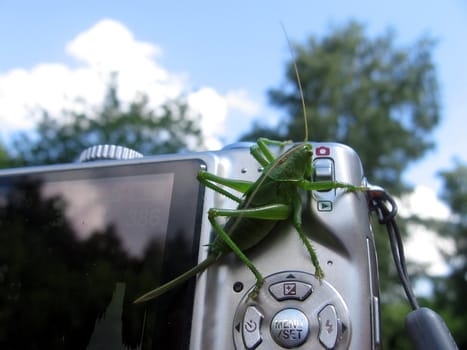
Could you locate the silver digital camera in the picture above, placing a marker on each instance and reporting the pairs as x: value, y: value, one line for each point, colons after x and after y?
x: 79, y: 242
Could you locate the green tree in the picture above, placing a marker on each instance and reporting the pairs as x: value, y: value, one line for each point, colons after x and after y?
x: 5, y: 158
x: 450, y: 291
x: 377, y: 97
x: 170, y: 128
x: 380, y: 99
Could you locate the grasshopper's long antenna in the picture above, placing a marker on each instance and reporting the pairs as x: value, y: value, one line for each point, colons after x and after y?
x: 297, y: 75
x: 302, y: 98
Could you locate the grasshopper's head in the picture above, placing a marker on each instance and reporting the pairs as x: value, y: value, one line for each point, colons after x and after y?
x: 306, y: 154
x: 308, y: 160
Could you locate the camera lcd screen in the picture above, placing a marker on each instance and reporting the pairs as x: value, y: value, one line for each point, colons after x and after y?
x: 79, y: 245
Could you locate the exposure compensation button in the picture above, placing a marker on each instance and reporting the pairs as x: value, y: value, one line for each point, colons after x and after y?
x: 290, y: 290
x: 251, y: 328
x: 290, y: 328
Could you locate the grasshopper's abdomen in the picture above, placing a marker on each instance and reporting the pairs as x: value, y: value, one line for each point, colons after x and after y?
x: 245, y: 232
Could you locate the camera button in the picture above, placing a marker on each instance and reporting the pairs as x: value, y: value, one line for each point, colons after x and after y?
x: 251, y: 328
x: 323, y: 169
x: 287, y: 290
x: 328, y: 326
x: 290, y: 328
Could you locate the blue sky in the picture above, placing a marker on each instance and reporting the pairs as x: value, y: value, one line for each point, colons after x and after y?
x: 233, y: 51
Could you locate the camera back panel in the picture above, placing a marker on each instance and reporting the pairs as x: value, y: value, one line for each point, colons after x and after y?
x: 80, y: 242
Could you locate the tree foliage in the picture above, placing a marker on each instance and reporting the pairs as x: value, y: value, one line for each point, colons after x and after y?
x: 168, y: 129
x: 365, y: 92
x: 455, y: 193
x: 449, y: 294
x: 5, y: 158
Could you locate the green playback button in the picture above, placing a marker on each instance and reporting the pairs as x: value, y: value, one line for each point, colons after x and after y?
x: 324, y: 206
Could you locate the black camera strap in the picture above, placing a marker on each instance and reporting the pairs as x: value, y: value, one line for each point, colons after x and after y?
x: 386, y: 210
x: 426, y: 328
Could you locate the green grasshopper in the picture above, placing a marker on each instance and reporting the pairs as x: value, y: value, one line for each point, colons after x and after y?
x: 273, y: 197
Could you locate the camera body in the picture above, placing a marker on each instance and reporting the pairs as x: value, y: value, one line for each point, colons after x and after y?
x: 292, y: 310
x: 341, y: 312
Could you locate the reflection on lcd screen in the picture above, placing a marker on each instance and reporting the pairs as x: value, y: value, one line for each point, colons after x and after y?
x: 74, y: 254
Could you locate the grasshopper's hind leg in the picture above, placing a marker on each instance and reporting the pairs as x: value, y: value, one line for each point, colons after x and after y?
x: 232, y: 245
x: 297, y: 222
x: 213, y: 181
x: 270, y: 212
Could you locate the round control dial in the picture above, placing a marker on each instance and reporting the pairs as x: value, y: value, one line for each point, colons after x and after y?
x: 108, y: 152
x: 293, y: 309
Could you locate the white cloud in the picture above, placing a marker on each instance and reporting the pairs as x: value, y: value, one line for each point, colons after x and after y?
x: 216, y: 109
x: 213, y: 108
x: 423, y: 245
x: 239, y: 100
x: 109, y: 47
x: 424, y: 203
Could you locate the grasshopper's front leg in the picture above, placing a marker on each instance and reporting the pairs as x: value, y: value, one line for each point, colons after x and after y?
x: 328, y: 185
x: 297, y: 204
x: 260, y: 151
